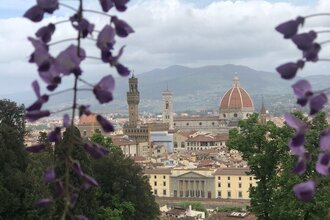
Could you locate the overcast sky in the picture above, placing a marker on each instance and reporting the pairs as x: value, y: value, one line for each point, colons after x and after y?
x: 170, y: 32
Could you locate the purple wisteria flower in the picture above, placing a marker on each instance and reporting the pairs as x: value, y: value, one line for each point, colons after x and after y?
x: 325, y: 139
x: 305, y: 191
x: 289, y: 70
x: 45, y: 33
x: 95, y: 150
x: 317, y: 102
x: 304, y: 41
x: 301, y: 164
x: 303, y: 91
x: 44, y: 203
x: 103, y: 89
x: 312, y: 53
x: 36, y: 12
x: 33, y: 116
x: 120, y: 4
x: 323, y: 162
x: 84, y: 110
x: 49, y: 175
x: 59, y: 188
x: 35, y: 148
x: 81, y: 217
x: 90, y: 180
x: 105, y: 124
x: 106, y: 5
x: 68, y: 61
x: 66, y: 121
x: 122, y: 28
x: 82, y: 25
x: 48, y: 6
x: 55, y: 135
x: 40, y: 99
x: 77, y: 168
x: 73, y: 199
x: 106, y: 38
x: 290, y: 28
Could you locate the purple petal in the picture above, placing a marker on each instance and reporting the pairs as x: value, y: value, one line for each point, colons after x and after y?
x: 296, y: 144
x: 305, y: 191
x: 48, y: 6
x: 77, y: 168
x: 43, y: 203
x: 103, y: 89
x: 317, y: 103
x: 312, y: 53
x: 90, y: 180
x: 38, y: 104
x: 49, y: 175
x: 59, y: 188
x: 34, y: 13
x: 325, y: 140
x: 105, y: 124
x: 80, y: 217
x: 295, y: 123
x: 45, y: 33
x: 122, y: 70
x: 304, y: 41
x: 106, y: 5
x: 35, y: 148
x: 290, y: 28
x: 120, y: 4
x: 66, y: 121
x: 68, y: 60
x: 300, y: 167
x: 36, y: 88
x: 106, y: 38
x: 122, y: 28
x: 55, y: 136
x: 322, y: 164
x: 289, y: 70
x: 302, y: 88
x: 84, y: 110
x: 73, y: 199
x: 82, y: 25
x: 95, y: 150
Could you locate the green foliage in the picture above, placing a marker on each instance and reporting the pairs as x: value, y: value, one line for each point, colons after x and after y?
x: 124, y: 191
x: 20, y: 176
x: 265, y: 148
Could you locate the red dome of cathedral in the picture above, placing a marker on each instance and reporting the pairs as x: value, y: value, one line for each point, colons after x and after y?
x: 236, y: 97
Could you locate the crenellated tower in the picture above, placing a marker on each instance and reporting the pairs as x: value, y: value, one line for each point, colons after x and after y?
x: 133, y: 100
x: 167, y: 98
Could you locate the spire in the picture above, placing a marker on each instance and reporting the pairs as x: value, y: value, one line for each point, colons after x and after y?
x: 263, y: 108
x: 236, y: 80
x: 133, y: 74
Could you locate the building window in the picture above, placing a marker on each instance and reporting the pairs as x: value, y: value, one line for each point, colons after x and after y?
x: 187, y: 124
x: 164, y: 177
x: 182, y: 144
x: 155, y: 191
x: 164, y: 192
x: 219, y: 194
x: 229, y: 194
x: 240, y: 185
x: 200, y: 123
x: 240, y: 195
x: 213, y: 123
x: 250, y: 185
x: 164, y: 183
x: 219, y: 178
x: 224, y: 115
x: 228, y: 185
x: 155, y: 183
x: 174, y: 124
x: 239, y: 178
x: 228, y: 177
x: 235, y: 115
x: 250, y: 178
x: 166, y: 107
x: 155, y: 177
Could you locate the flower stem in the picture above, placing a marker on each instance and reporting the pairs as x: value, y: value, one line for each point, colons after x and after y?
x: 318, y: 14
x: 84, y: 81
x: 97, y: 12
x: 324, y: 42
x: 321, y: 32
x: 61, y: 41
x: 67, y: 6
x: 60, y: 92
x: 60, y: 22
x: 94, y: 58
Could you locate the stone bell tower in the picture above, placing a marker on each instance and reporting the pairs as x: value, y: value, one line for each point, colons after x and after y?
x: 133, y: 100
x: 167, y: 98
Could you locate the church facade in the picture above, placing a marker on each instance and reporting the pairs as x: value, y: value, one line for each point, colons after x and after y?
x: 235, y: 105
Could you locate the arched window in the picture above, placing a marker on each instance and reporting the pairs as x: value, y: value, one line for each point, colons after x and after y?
x: 235, y: 115
x: 166, y: 105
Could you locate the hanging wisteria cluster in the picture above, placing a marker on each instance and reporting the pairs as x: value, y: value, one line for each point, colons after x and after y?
x: 315, y: 100
x: 54, y: 69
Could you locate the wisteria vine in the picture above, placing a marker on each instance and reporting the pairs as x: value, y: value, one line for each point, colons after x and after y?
x: 316, y: 100
x: 54, y: 69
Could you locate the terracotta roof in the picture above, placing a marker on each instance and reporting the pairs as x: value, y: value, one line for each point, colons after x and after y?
x: 138, y: 158
x: 157, y: 171
x: 199, y: 138
x: 236, y: 97
x: 196, y: 118
x: 232, y: 171
x: 84, y: 119
x: 186, y: 133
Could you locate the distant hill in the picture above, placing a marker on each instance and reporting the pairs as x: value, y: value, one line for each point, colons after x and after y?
x: 196, y: 88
